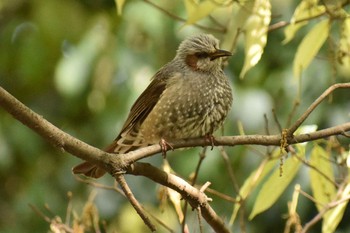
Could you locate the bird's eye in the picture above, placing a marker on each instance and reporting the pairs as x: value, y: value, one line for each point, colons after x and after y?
x: 202, y: 55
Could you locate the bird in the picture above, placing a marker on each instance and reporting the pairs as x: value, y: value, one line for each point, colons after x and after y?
x: 189, y: 97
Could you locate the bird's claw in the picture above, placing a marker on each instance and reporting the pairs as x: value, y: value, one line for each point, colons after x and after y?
x: 210, y: 138
x: 164, y: 145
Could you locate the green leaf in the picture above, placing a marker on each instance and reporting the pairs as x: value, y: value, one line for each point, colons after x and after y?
x: 120, y: 4
x: 309, y: 46
x: 307, y: 9
x: 253, y: 180
x: 277, y: 183
x: 256, y: 28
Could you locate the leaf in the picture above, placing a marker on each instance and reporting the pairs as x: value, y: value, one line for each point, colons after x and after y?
x: 252, y: 181
x: 309, y: 46
x: 197, y: 11
x: 276, y: 184
x: 333, y: 217
x: 344, y: 43
x: 323, y: 189
x: 120, y: 4
x: 255, y: 28
x: 235, y: 26
x: 307, y: 9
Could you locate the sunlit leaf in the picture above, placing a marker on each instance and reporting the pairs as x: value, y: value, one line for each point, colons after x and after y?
x: 174, y: 196
x: 344, y: 47
x: 277, y: 183
x: 235, y: 25
x: 323, y: 188
x: 255, y: 29
x: 120, y: 4
x: 309, y: 46
x: 333, y: 216
x: 197, y: 11
x: 305, y: 10
x: 253, y: 180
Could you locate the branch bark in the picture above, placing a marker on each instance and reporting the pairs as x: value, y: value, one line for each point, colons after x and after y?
x: 127, y: 162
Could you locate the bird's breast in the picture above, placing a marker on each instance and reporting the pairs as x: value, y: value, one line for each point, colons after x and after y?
x: 188, y: 108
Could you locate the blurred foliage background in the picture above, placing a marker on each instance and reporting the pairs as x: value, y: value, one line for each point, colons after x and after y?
x: 81, y: 65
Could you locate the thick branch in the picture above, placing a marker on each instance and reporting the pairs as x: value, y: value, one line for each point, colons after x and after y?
x: 84, y: 151
x: 114, y: 163
x: 263, y: 140
x: 51, y: 133
x: 195, y: 197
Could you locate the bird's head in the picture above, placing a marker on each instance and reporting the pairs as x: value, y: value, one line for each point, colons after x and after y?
x: 201, y: 53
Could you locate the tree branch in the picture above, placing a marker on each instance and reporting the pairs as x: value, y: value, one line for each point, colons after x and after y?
x: 51, y: 133
x: 195, y: 197
x: 126, y: 162
x: 133, y: 201
x: 312, y: 107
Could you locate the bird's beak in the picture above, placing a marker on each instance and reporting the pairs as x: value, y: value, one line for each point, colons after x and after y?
x: 219, y: 53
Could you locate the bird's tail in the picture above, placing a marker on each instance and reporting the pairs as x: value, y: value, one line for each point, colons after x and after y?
x: 121, y: 145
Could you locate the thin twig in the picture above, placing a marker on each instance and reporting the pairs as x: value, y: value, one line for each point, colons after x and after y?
x: 69, y: 208
x: 321, y: 213
x: 292, y: 113
x: 276, y: 120
x: 221, y: 195
x: 231, y: 175
x: 98, y: 185
x: 133, y: 201
x: 163, y: 224
x: 312, y: 107
x: 267, y: 130
x: 173, y: 16
x: 199, y: 216
x: 202, y: 156
x: 40, y: 213
x: 283, y: 23
x: 304, y: 161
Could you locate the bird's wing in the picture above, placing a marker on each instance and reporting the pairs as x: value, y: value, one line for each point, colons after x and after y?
x: 138, y: 113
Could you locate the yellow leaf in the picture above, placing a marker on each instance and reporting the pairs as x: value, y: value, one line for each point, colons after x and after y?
x: 120, y: 4
x: 323, y: 189
x: 309, y: 46
x: 333, y: 217
x: 276, y: 184
x: 256, y: 28
x: 344, y: 48
x: 197, y: 11
x: 252, y: 181
x: 235, y: 25
x: 305, y: 10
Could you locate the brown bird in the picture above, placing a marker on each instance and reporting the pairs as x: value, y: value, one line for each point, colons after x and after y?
x: 187, y: 98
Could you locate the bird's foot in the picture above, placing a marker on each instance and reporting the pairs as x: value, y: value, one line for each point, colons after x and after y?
x: 210, y: 138
x: 164, y: 145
